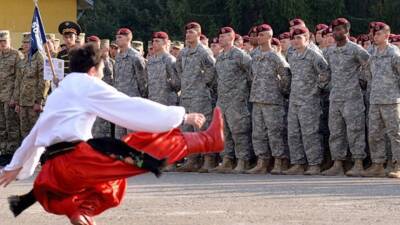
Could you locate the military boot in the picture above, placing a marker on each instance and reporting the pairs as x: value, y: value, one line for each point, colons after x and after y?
x: 226, y: 166
x: 242, y: 166
x: 335, y: 170
x: 191, y: 165
x: 209, y: 163
x: 375, y: 170
x: 296, y: 169
x: 313, y: 170
x: 395, y: 173
x: 280, y: 165
x: 357, y: 169
x: 389, y: 166
x: 260, y: 168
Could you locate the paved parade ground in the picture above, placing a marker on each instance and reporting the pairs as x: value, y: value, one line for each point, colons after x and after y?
x: 205, y: 199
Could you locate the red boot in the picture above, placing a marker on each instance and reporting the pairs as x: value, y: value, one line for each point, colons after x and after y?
x: 209, y: 141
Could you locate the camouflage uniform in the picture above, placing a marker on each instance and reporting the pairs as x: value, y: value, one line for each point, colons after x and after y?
x: 30, y: 89
x: 195, y: 67
x: 9, y: 123
x: 384, y: 112
x: 346, y: 109
x: 270, y: 72
x: 163, y: 81
x: 130, y: 78
x: 101, y: 127
x: 233, y: 70
x: 309, y: 69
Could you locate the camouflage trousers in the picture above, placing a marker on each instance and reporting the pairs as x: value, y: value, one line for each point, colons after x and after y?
x: 9, y: 130
x: 101, y: 128
x: 347, y: 129
x: 268, y: 130
x: 237, y: 130
x: 303, y: 134
x: 27, y: 119
x: 197, y: 105
x: 384, y: 120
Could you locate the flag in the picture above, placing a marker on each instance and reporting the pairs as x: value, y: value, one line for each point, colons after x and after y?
x: 38, y: 35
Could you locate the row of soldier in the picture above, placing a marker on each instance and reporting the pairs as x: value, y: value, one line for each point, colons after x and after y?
x: 298, y: 99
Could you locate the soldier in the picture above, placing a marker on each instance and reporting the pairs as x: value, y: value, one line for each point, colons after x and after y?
x: 276, y: 45
x: 163, y: 81
x: 247, y: 46
x: 395, y: 40
x: 138, y: 45
x: 384, y: 112
x: 101, y: 127
x: 130, y: 74
x: 80, y: 39
x: 195, y: 66
x: 329, y: 40
x: 346, y: 108
x: 176, y: 47
x: 238, y: 41
x: 364, y: 41
x: 233, y: 72
x: 298, y: 23
x: 284, y: 39
x: 253, y: 36
x: 204, y: 40
x: 30, y: 90
x: 215, y: 47
x: 9, y: 125
x: 69, y: 30
x: 310, y: 71
x: 270, y: 72
x: 94, y: 40
x: 318, y: 33
x: 150, y: 50
x: 50, y: 44
x: 114, y: 50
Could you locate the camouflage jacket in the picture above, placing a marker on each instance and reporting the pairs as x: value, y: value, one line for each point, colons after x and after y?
x: 163, y: 79
x: 270, y: 74
x: 9, y: 60
x: 310, y: 71
x: 195, y: 67
x: 130, y: 73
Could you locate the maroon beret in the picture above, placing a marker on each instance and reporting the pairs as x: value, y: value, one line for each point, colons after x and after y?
x: 124, y: 31
x: 226, y: 30
x: 340, y: 22
x: 320, y: 27
x: 263, y: 27
x: 380, y: 26
x: 363, y: 38
x: 295, y: 22
x: 326, y: 31
x: 299, y: 31
x: 275, y: 41
x: 353, y: 39
x: 192, y: 25
x: 161, y: 35
x: 246, y: 39
x: 285, y: 35
x: 371, y: 25
x: 93, y: 38
x: 395, y: 38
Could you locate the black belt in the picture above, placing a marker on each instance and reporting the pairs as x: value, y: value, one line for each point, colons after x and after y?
x: 58, y: 149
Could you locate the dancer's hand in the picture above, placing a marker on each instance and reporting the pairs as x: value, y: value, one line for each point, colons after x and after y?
x: 195, y: 119
x: 6, y: 177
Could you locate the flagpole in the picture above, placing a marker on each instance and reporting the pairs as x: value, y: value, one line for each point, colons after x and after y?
x: 47, y: 49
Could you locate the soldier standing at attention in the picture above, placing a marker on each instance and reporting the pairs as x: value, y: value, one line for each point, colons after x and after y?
x: 195, y: 67
x: 346, y: 104
x: 384, y: 110
x: 233, y: 72
x: 9, y: 125
x: 309, y: 70
x: 31, y: 89
x: 270, y: 72
x: 130, y: 74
